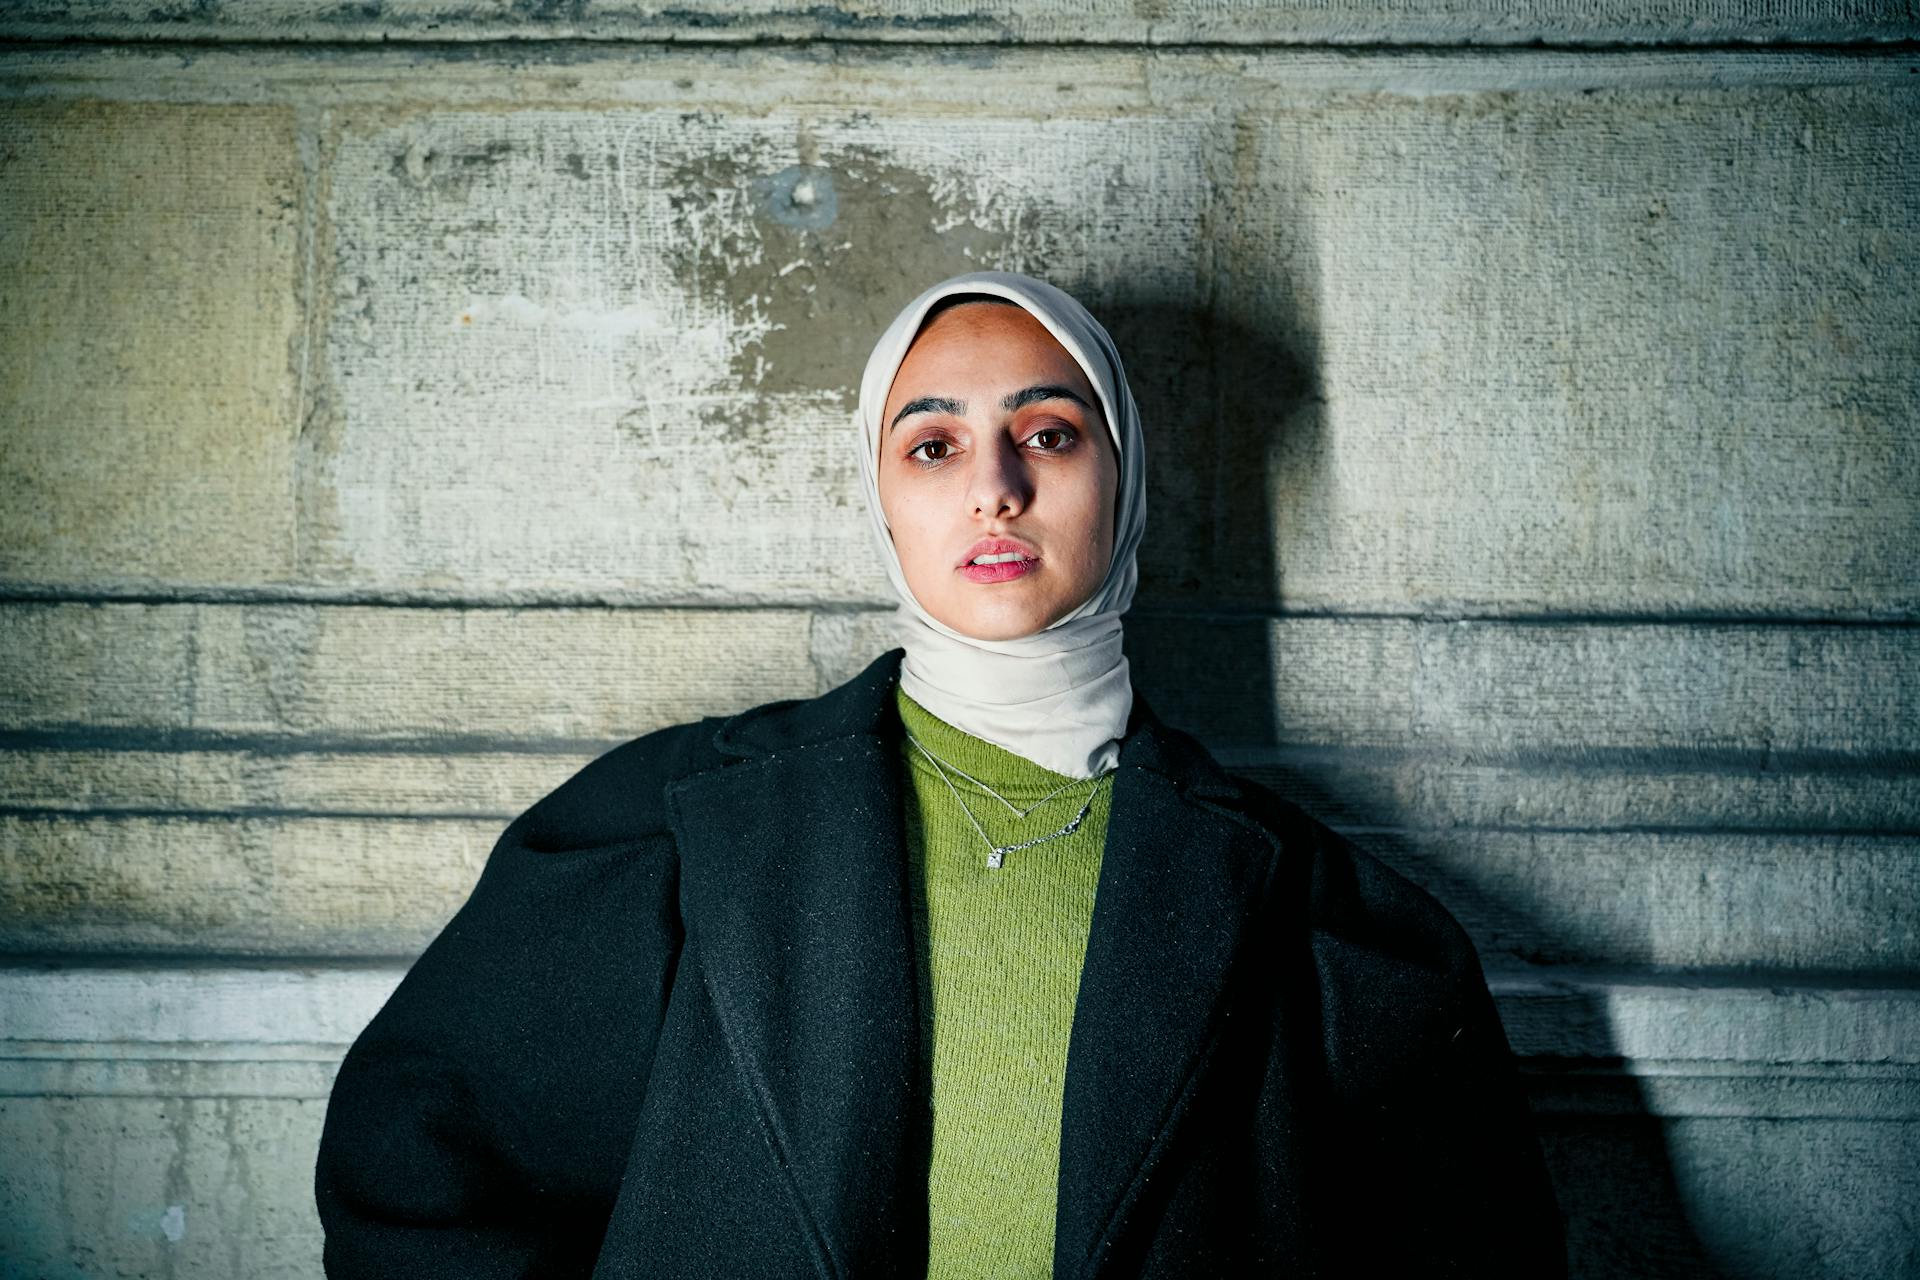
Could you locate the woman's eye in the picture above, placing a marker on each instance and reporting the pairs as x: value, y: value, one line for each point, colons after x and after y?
x: 1049, y: 438
x: 931, y: 450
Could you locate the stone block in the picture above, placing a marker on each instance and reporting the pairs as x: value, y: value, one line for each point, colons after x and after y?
x: 241, y: 886
x: 367, y: 673
x: 1670, y: 688
x: 1576, y: 791
x: 262, y: 779
x: 1675, y: 1199
x: 1629, y: 351
x: 158, y: 1186
x: 149, y: 343
x: 1685, y: 901
x: 614, y: 353
x: 1501, y: 690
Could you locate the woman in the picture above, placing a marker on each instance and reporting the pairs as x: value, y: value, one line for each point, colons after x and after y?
x: 968, y: 967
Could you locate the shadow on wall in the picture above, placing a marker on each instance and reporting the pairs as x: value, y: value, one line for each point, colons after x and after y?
x: 1235, y: 420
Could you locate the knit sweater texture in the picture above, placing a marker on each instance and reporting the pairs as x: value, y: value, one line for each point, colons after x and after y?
x: 1001, y: 952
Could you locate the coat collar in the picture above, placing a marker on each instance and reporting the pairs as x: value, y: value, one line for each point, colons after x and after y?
x: 795, y: 894
x: 860, y: 707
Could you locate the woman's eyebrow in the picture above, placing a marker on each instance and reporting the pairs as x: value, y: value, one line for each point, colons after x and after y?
x: 1019, y: 399
x: 929, y: 404
x: 1011, y: 401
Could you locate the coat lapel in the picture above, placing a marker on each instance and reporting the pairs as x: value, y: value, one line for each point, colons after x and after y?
x: 794, y: 893
x: 1177, y: 884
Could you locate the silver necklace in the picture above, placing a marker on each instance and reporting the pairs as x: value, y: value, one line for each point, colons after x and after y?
x: 996, y: 853
x: 1011, y: 807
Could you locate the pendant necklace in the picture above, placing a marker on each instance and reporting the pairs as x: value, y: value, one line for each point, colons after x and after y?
x: 996, y: 853
x: 940, y: 762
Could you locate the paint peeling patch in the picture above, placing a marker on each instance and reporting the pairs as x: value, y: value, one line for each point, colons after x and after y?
x: 548, y: 10
x: 169, y: 1223
x: 554, y: 355
x: 604, y: 322
x: 423, y: 166
x: 812, y: 284
x: 365, y: 11
x: 801, y: 197
x: 840, y: 19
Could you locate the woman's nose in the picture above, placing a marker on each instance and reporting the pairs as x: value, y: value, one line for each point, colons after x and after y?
x: 998, y: 485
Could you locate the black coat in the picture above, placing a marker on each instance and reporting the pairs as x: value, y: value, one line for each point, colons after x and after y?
x: 674, y: 1031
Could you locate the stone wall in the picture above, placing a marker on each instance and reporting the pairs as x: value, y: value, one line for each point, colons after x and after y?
x: 400, y: 405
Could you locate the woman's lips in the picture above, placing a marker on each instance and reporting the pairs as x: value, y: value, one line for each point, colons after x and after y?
x: 1006, y: 559
x: 1005, y: 571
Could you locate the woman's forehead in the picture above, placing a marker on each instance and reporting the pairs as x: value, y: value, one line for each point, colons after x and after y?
x: 952, y: 335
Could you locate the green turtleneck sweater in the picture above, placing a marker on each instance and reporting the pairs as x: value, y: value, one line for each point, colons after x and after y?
x: 1001, y: 954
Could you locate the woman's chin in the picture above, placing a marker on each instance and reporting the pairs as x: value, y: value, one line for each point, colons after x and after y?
x: 1006, y: 617
x: 1007, y: 620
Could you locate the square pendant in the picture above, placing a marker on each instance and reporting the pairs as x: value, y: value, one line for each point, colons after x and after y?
x: 993, y: 860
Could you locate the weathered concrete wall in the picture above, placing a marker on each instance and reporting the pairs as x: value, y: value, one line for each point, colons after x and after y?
x: 385, y: 432
x: 1155, y: 22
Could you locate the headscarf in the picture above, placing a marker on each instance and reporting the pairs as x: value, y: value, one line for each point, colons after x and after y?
x: 1059, y: 697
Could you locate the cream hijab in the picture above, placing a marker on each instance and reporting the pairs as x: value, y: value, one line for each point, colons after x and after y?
x: 1059, y: 697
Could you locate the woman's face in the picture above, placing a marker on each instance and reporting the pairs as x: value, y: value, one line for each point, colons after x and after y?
x: 997, y: 473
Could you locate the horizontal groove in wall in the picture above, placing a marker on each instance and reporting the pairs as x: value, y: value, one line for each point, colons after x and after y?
x: 1616, y: 1091
x: 1577, y: 759
x: 508, y: 601
x: 113, y: 739
x: 1168, y: 80
x: 719, y: 26
x: 259, y: 814
x: 1706, y: 761
x: 1361, y: 832
x: 1589, y: 1042
x: 514, y: 601
x: 1759, y: 1093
